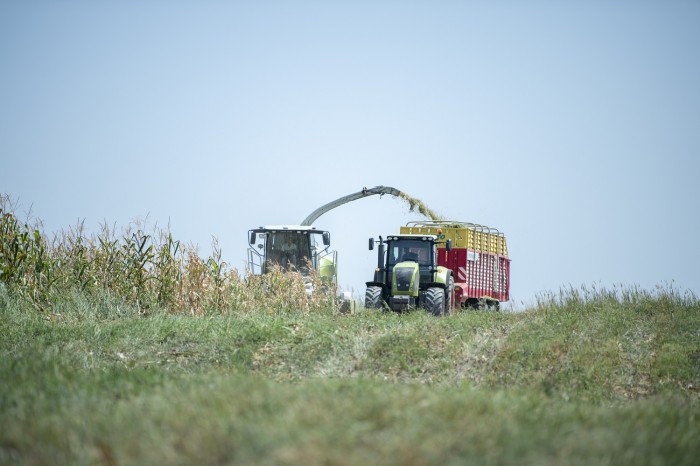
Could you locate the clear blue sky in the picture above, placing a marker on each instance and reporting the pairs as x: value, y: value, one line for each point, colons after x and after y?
x: 573, y: 127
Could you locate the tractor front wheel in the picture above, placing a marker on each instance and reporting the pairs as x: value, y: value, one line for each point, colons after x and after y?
x: 435, y: 301
x: 373, y: 297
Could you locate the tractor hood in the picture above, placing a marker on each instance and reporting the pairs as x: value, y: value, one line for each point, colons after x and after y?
x: 405, y: 279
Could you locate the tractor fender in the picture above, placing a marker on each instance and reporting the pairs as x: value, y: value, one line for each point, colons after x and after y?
x: 436, y: 285
x: 442, y: 275
x: 380, y: 284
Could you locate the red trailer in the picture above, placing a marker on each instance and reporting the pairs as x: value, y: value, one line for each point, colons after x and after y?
x: 479, y: 260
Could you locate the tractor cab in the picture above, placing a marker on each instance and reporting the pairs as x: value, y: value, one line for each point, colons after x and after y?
x: 291, y: 247
x: 404, y: 250
x: 410, y: 249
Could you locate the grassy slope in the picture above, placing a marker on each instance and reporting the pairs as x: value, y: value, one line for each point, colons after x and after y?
x: 586, y: 378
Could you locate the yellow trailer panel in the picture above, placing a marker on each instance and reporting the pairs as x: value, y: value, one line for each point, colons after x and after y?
x: 464, y: 235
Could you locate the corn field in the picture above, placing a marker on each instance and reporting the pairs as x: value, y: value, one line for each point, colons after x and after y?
x: 147, y: 270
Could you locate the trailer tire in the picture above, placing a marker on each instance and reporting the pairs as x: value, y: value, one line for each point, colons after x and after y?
x: 373, y: 297
x: 435, y: 301
x: 491, y: 305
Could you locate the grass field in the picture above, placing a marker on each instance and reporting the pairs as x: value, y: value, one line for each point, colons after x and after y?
x: 585, y: 377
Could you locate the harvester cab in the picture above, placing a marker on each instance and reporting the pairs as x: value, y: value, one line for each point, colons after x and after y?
x: 292, y: 247
x: 408, y: 275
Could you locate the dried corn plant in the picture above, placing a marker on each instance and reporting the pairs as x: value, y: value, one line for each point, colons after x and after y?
x: 146, y: 270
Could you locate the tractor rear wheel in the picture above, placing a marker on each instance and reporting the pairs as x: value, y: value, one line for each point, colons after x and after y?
x: 435, y: 301
x: 373, y: 297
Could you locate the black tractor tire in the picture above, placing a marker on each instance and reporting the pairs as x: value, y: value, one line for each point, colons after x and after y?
x: 373, y: 297
x: 449, y: 295
x: 435, y: 301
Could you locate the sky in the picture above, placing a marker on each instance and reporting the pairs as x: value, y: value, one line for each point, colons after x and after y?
x: 571, y: 127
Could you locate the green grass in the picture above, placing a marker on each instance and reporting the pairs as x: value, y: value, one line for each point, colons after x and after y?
x: 586, y: 377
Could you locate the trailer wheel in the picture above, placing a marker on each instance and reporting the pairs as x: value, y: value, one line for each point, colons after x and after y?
x: 489, y: 304
x: 492, y: 305
x: 373, y: 297
x: 435, y: 301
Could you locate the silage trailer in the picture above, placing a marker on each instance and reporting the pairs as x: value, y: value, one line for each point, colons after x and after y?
x: 478, y: 258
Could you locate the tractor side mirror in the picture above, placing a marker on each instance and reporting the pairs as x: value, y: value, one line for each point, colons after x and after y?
x: 252, y: 237
x: 448, y: 245
x: 371, y: 244
x: 326, y: 238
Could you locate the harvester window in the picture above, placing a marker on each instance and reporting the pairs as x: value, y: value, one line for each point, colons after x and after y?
x: 287, y: 248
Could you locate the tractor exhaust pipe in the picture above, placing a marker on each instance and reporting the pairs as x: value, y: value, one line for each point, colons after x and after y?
x: 378, y: 274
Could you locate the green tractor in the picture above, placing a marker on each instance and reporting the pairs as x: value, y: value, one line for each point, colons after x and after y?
x: 408, y: 276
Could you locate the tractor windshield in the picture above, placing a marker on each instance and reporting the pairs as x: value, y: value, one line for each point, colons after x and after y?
x: 288, y: 249
x: 410, y: 250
